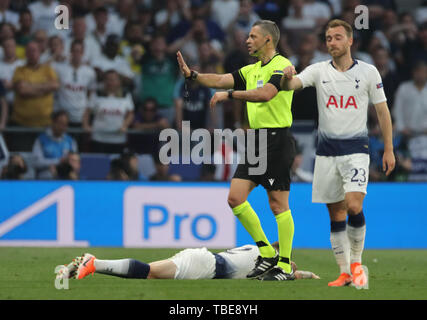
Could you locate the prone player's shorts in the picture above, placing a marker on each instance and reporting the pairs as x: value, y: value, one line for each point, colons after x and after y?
x: 336, y: 176
x: 198, y: 263
x: 280, y: 151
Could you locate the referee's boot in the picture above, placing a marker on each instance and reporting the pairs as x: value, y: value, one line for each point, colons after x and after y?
x: 262, y: 265
x: 277, y: 274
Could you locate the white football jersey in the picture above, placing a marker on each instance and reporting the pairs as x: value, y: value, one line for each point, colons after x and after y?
x: 72, y: 95
x: 240, y: 261
x: 342, y: 101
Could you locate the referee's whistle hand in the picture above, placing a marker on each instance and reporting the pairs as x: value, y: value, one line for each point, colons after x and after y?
x: 185, y: 70
x: 218, y: 97
x: 289, y: 72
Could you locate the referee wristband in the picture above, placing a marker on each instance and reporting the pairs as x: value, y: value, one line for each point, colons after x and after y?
x: 193, y: 75
x: 230, y: 94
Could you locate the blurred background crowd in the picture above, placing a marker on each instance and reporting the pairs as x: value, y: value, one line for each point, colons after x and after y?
x: 88, y: 102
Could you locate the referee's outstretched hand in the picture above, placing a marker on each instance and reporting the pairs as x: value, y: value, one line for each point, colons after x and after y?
x: 185, y: 70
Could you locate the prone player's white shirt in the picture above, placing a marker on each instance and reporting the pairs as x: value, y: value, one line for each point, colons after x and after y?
x: 240, y: 260
x: 200, y: 263
x: 343, y: 97
x: 75, y: 84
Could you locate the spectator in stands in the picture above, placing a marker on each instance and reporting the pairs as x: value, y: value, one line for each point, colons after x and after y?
x: 235, y: 59
x: 145, y: 17
x: 237, y: 56
x: 7, y: 67
x: 24, y: 35
x: 162, y: 172
x: 208, y: 55
x: 224, y: 12
x: 413, y: 51
x: 7, y: 15
x: 34, y: 84
x: 268, y: 9
x: 159, y: 75
x: 77, y: 83
x: 130, y: 162
x: 99, y: 33
x: 188, y: 34
x: 7, y: 31
x: 376, y: 150
x: 298, y: 174
x: 245, y: 18
x: 92, y: 49
x: 15, y: 169
x: 296, y: 20
x: 44, y: 15
x: 175, y: 11
x: 52, y: 146
x: 4, y: 109
x: 403, y: 31
x: 122, y: 15
x: 150, y: 122
x: 112, y: 110
x: 101, y: 22
x: 421, y: 12
x: 57, y: 56
x: 192, y: 103
x: 410, y: 111
x: 125, y: 168
x: 356, y: 51
x: 69, y: 167
x: 111, y: 60
x: 41, y: 38
x: 410, y: 106
x: 390, y: 78
x: 133, y: 47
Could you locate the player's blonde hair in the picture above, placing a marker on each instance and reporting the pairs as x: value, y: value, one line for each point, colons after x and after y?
x: 271, y: 28
x: 340, y: 23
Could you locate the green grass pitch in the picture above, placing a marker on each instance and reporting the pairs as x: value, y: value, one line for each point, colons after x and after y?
x: 28, y: 273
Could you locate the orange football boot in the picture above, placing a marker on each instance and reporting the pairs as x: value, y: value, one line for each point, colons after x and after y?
x: 359, y: 275
x: 86, y: 266
x: 343, y: 280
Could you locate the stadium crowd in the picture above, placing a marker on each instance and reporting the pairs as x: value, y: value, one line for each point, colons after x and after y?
x: 110, y: 82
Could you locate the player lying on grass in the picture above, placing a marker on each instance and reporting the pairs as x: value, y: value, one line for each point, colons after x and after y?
x: 197, y: 263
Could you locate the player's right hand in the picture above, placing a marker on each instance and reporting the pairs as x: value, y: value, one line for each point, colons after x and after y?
x: 185, y: 70
x: 289, y: 72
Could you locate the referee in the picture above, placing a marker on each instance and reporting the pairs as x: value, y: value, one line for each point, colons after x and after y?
x: 269, y: 108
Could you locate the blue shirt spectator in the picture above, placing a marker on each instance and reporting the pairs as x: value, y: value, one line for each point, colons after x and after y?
x: 52, y: 146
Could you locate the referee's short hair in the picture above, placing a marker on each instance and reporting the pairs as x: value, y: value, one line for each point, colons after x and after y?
x: 271, y: 28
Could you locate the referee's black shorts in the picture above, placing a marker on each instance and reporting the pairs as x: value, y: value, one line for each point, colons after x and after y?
x: 280, y: 151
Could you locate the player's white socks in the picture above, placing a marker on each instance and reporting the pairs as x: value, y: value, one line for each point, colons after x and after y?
x: 112, y: 267
x: 340, y: 245
x: 356, y: 237
x: 356, y: 231
x: 125, y: 268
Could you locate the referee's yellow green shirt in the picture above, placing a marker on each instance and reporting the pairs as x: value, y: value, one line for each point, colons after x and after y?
x: 275, y: 113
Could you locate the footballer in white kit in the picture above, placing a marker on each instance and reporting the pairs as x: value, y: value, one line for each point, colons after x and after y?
x: 189, y: 264
x: 345, y: 88
x: 342, y: 155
